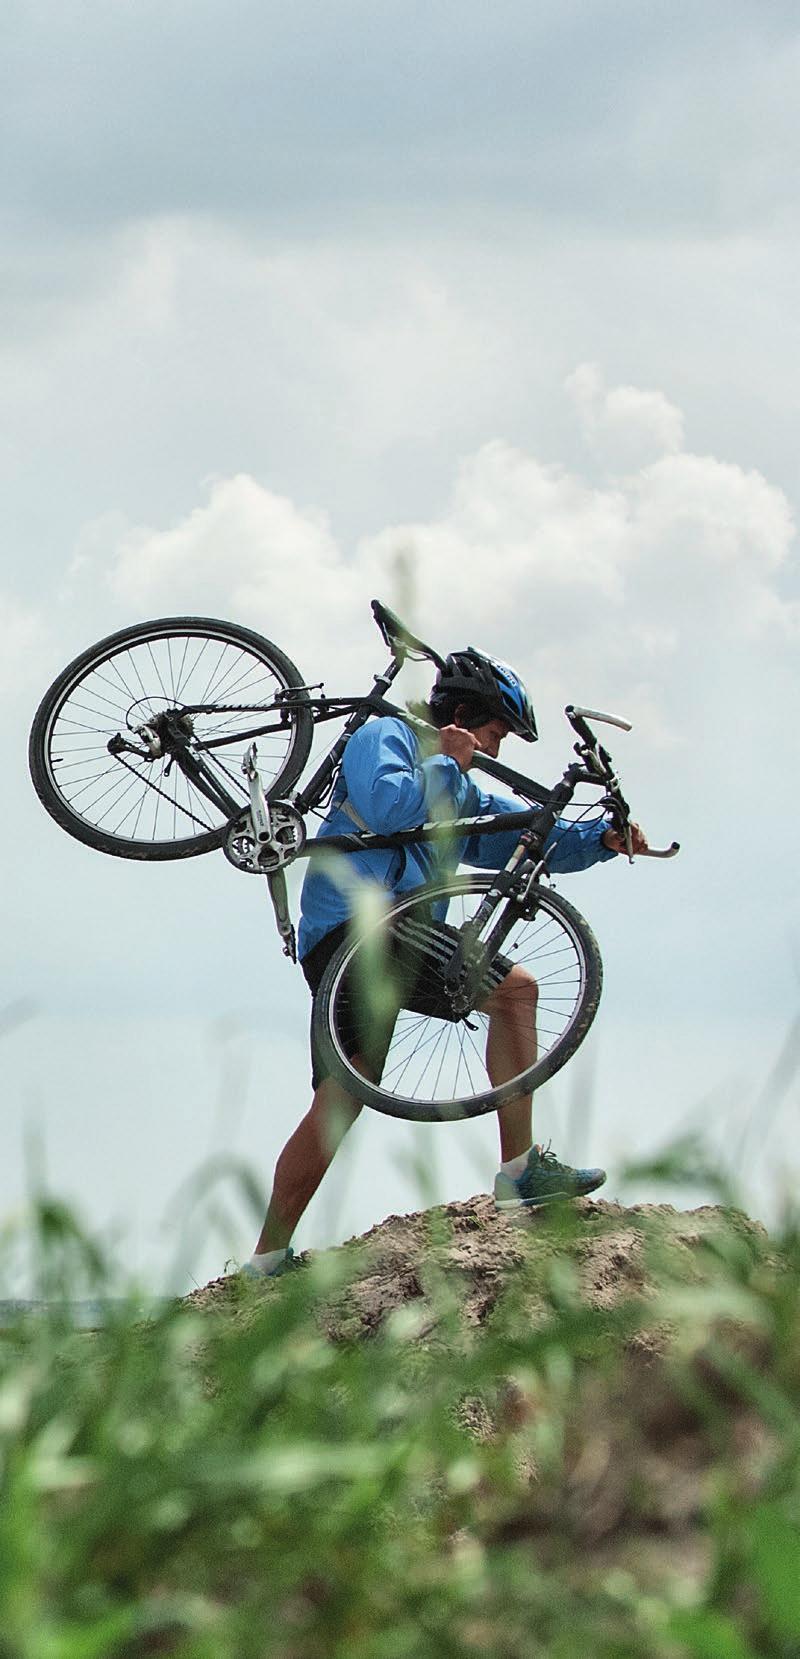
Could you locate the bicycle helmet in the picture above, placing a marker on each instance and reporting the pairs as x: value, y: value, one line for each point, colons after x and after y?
x: 483, y: 679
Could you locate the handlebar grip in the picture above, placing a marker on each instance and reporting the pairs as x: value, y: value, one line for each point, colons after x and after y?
x: 580, y: 726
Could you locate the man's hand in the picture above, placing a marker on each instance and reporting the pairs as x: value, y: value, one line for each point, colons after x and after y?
x: 612, y: 838
x: 459, y: 744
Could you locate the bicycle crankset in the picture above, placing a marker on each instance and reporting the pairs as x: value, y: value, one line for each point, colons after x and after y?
x: 286, y: 841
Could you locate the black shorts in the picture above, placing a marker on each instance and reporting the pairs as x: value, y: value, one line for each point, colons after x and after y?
x: 424, y: 988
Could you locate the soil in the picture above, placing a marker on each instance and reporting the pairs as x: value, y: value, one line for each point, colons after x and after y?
x: 480, y: 1250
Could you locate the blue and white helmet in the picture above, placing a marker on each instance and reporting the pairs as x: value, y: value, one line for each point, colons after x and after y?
x: 483, y: 679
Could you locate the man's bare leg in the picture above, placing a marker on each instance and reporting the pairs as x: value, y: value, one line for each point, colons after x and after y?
x: 306, y: 1157
x: 309, y: 1151
x: 511, y: 1048
x: 512, y: 1040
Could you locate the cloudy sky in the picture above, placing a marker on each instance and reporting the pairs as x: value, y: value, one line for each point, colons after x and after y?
x: 488, y: 310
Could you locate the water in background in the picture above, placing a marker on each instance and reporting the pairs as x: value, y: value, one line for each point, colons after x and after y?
x: 88, y: 1315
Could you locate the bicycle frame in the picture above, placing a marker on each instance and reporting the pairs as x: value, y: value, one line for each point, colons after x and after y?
x: 358, y: 709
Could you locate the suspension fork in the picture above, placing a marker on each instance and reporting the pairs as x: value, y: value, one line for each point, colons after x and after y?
x: 530, y: 843
x: 471, y: 954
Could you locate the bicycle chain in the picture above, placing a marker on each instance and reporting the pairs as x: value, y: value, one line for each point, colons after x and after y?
x: 209, y: 828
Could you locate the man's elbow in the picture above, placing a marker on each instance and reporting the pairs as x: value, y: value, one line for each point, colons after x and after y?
x: 386, y: 810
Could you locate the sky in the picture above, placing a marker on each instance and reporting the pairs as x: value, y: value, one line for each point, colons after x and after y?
x: 486, y: 311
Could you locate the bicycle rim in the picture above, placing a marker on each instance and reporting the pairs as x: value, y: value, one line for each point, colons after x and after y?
x: 138, y: 807
x: 428, y: 1068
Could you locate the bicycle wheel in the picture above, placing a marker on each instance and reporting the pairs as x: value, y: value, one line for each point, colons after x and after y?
x: 382, y: 996
x: 215, y: 677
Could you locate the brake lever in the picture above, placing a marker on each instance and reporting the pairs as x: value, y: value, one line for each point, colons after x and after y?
x: 598, y: 759
x: 623, y: 827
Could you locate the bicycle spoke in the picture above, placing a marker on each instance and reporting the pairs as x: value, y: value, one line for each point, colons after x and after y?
x: 112, y: 797
x: 224, y: 689
x: 438, y: 1078
x: 205, y: 695
x: 129, y: 695
x: 171, y: 670
x: 419, y: 1047
x: 463, y: 1056
x: 179, y: 672
x: 434, y: 1039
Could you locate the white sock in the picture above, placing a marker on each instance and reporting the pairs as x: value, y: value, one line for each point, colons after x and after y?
x: 268, y: 1261
x: 515, y: 1166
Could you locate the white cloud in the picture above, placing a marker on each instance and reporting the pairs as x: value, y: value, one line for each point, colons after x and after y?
x: 660, y: 588
x: 518, y: 536
x: 247, y: 554
x: 714, y: 539
x: 652, y: 581
x: 626, y: 427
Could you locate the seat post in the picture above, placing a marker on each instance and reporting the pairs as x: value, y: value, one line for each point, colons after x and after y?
x: 383, y: 681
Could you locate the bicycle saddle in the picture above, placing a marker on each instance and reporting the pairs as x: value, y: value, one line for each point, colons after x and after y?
x: 396, y: 634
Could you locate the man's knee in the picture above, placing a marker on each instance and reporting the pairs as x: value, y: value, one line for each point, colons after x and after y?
x: 333, y: 1106
x: 518, y: 989
x: 330, y: 1115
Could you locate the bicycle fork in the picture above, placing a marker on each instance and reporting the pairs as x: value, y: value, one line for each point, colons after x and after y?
x: 467, y: 965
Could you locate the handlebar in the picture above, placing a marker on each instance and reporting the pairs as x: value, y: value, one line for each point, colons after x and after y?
x: 599, y: 761
x: 575, y: 714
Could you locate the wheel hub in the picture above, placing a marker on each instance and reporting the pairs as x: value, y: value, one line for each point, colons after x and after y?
x: 161, y: 733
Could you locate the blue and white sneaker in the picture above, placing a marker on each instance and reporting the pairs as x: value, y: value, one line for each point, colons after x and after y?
x: 543, y: 1181
x: 250, y: 1271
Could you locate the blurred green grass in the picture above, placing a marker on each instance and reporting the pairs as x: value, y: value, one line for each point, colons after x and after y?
x: 247, y: 1477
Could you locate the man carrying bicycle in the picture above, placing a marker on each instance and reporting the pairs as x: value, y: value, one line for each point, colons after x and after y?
x: 390, y: 781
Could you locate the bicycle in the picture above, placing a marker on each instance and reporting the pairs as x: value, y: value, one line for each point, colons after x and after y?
x: 136, y: 750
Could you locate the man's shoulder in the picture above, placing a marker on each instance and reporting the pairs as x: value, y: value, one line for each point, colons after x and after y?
x: 387, y: 728
x: 418, y: 742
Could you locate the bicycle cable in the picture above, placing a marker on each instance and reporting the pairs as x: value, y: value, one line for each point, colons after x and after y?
x: 584, y: 816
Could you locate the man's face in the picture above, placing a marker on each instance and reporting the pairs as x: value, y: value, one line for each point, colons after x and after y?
x: 490, y: 735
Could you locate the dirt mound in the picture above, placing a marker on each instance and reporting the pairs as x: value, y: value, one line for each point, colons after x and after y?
x: 478, y: 1251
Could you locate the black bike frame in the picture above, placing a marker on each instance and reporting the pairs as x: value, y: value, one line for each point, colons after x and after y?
x: 358, y: 711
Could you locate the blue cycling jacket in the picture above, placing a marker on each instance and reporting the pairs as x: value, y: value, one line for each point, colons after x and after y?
x: 390, y: 786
